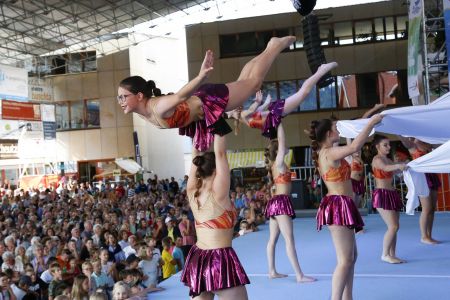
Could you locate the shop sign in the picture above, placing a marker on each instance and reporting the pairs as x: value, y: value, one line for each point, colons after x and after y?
x: 9, y: 149
x: 12, y: 110
x: 39, y: 90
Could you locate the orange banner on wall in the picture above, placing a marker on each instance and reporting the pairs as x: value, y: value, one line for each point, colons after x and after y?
x: 12, y: 110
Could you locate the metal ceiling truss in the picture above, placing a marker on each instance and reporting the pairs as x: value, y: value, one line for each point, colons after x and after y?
x: 32, y: 28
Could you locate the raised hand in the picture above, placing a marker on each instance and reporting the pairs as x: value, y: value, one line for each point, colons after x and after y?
x: 258, y: 97
x: 207, y: 65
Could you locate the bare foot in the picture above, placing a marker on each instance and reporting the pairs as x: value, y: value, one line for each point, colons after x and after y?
x: 392, y: 260
x: 282, y: 43
x: 325, y: 68
x: 305, y: 279
x: 276, y: 275
x: 429, y: 241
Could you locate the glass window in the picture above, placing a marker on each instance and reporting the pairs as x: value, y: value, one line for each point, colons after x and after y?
x: 327, y: 96
x: 62, y: 116
x: 90, y: 61
x: 262, y: 38
x: 387, y: 84
x: 326, y: 34
x: 379, y: 29
x: 298, y: 32
x: 227, y: 45
x: 93, y: 113
x: 77, y: 115
x: 287, y: 88
x: 270, y: 88
x: 367, y: 89
x: 246, y: 43
x: 343, y: 33
x: 310, y: 103
x: 390, y: 30
x: 402, y: 27
x: 363, y: 31
x: 74, y: 64
x: 347, y: 93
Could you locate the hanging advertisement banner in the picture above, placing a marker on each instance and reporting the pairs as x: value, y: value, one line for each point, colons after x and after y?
x: 447, y: 30
x: 13, y: 83
x: 39, y: 89
x: 12, y: 110
x: 414, y: 48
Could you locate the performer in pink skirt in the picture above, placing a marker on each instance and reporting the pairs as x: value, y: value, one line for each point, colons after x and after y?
x: 385, y: 198
x: 212, y: 266
x: 268, y: 120
x: 279, y: 209
x: 197, y: 109
x: 337, y: 209
x: 417, y: 149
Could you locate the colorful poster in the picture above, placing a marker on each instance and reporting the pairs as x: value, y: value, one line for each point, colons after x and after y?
x: 13, y: 83
x: 447, y: 29
x: 414, y: 48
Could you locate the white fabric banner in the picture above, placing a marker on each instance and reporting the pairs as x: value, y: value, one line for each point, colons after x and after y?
x: 437, y: 161
x: 428, y: 123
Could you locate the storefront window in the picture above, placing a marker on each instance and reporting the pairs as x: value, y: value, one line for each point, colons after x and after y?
x: 77, y: 115
x: 327, y: 96
x: 93, y: 113
x: 62, y: 116
x: 347, y: 95
x: 310, y: 103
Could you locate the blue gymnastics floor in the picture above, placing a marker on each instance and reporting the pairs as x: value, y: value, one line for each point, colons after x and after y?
x: 426, y: 275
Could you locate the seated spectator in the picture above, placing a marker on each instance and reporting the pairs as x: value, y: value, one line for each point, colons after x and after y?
x: 149, y: 265
x: 169, y: 263
x: 80, y: 288
x: 57, y: 279
x: 22, y: 287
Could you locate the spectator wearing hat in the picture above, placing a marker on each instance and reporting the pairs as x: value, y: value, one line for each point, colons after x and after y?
x: 22, y: 287
x: 172, y: 231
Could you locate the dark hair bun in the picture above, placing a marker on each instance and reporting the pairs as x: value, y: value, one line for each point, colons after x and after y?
x: 198, y: 160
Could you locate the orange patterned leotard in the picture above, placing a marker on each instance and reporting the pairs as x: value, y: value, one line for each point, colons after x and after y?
x: 213, y: 216
x: 356, y: 166
x: 180, y: 116
x: 256, y: 120
x: 283, y: 178
x: 380, y: 174
x: 339, y: 174
x: 417, y: 153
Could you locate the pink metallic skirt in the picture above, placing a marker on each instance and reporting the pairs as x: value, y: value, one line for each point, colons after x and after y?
x: 215, y: 99
x: 212, y: 270
x: 339, y: 210
x: 273, y: 119
x: 358, y: 187
x: 386, y: 199
x: 433, y: 181
x: 279, y: 205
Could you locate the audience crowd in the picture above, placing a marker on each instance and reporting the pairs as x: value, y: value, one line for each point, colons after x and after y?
x: 109, y: 241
